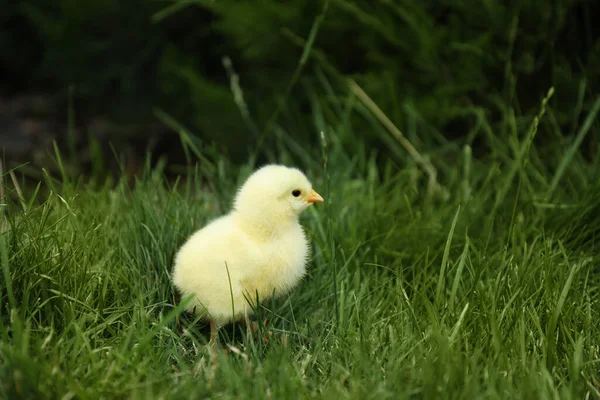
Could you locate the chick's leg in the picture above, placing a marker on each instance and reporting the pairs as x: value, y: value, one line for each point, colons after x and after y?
x: 212, y: 351
x: 213, y: 332
x: 212, y: 344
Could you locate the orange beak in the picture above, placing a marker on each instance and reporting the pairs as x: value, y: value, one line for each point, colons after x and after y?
x: 315, y: 197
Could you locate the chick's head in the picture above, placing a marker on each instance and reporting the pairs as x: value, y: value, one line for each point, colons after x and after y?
x: 275, y: 191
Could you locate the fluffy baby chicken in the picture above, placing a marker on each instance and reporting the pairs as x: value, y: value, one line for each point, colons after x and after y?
x: 259, y: 248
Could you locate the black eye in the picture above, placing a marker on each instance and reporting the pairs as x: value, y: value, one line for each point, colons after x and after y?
x: 296, y: 193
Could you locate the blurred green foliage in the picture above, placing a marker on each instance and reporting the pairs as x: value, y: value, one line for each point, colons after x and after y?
x: 428, y: 64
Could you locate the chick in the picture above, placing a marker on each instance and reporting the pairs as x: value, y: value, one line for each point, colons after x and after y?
x: 258, y: 249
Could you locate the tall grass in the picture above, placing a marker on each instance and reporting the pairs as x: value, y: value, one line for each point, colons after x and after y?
x: 488, y: 292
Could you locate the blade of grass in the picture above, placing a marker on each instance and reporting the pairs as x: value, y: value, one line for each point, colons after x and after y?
x: 15, y: 182
x: 571, y: 151
x: 442, y: 277
x: 184, y: 134
x: 433, y: 187
x: 6, y: 271
x: 306, y: 52
x: 550, y: 333
x: 172, y: 9
x: 459, y: 270
x: 65, y: 178
x: 521, y: 156
x: 456, y: 328
x: 71, y: 126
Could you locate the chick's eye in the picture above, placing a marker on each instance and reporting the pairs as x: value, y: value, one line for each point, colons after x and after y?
x: 296, y: 193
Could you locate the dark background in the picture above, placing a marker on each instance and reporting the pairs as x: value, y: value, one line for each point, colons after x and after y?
x: 108, y: 76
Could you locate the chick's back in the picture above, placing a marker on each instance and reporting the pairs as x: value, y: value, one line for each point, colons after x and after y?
x: 213, y: 258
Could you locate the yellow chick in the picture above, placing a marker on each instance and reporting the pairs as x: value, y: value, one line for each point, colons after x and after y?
x: 259, y: 248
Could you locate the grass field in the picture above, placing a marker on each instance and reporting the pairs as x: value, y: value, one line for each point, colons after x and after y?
x: 487, y: 287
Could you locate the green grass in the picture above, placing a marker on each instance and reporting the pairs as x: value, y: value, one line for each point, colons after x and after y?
x: 491, y: 291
